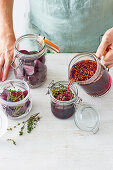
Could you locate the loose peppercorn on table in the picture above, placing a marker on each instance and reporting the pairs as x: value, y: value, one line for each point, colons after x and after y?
x: 57, y: 144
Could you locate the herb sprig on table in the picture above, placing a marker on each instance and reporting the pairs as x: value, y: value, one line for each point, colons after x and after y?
x: 12, y: 141
x: 30, y: 124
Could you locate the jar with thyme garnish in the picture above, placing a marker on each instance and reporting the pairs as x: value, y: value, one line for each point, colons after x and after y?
x: 15, y: 98
x: 63, y: 100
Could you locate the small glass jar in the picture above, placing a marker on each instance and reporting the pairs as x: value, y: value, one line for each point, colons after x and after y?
x: 29, y: 59
x: 86, y: 117
x: 19, y: 107
x: 96, y: 85
x: 63, y: 109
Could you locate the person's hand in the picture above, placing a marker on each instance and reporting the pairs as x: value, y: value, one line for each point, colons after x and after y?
x: 105, y: 49
x: 6, y: 54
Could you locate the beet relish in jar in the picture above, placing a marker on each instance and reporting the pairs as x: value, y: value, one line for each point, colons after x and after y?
x: 87, y: 71
x: 63, y: 102
x: 15, y: 98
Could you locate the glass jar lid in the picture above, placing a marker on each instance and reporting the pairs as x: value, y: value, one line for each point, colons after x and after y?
x: 3, y: 123
x: 87, y: 118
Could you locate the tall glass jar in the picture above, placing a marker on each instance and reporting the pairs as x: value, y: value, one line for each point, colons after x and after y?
x: 29, y: 59
x: 15, y: 98
x: 86, y: 70
x: 63, y: 109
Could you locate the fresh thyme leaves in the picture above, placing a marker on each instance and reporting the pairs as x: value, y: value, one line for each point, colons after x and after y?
x: 59, y: 89
x: 13, y: 95
x: 32, y: 122
x: 29, y: 124
x: 12, y: 141
x: 22, y: 129
x: 60, y: 93
x: 9, y: 129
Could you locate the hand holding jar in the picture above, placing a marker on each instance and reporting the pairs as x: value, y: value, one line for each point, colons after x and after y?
x: 106, y: 49
x: 6, y: 54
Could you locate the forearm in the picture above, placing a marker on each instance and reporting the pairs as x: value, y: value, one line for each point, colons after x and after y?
x: 6, y: 22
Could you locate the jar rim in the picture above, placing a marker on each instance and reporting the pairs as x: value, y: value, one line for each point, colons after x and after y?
x: 18, y: 102
x: 64, y: 102
x: 26, y: 36
x: 97, y: 70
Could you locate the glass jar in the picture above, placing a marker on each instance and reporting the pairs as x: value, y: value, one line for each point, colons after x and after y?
x: 63, y: 109
x: 15, y: 98
x: 86, y: 117
x: 94, y: 78
x: 29, y: 62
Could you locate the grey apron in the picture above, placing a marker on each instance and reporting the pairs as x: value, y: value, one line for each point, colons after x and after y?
x: 74, y: 25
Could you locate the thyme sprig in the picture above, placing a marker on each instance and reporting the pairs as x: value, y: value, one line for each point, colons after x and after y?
x: 12, y: 141
x: 12, y: 98
x: 30, y: 124
x: 61, y: 89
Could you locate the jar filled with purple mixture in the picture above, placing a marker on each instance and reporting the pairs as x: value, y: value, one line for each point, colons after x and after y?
x: 86, y: 70
x: 15, y: 99
x: 29, y: 60
x: 63, y: 100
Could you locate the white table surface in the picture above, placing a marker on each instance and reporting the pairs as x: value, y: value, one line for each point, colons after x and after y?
x: 58, y: 144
